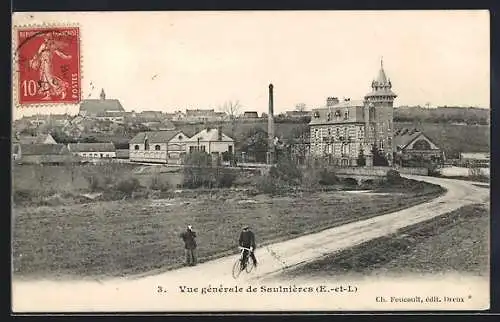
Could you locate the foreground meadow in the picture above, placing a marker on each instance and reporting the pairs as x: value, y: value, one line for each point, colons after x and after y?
x: 117, y: 238
x: 457, y: 242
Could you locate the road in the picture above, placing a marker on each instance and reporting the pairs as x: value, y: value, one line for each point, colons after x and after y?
x: 128, y: 294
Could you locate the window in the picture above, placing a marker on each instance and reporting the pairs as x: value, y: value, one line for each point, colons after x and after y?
x: 202, y: 148
x: 136, y: 147
x: 337, y: 115
x: 345, y: 149
x: 329, y: 116
x: 180, y: 137
x: 146, y: 144
x: 95, y: 155
x: 157, y: 147
x: 346, y: 115
x: 84, y: 154
x: 102, y: 155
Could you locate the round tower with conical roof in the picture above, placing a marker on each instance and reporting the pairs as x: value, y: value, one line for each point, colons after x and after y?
x: 379, y: 113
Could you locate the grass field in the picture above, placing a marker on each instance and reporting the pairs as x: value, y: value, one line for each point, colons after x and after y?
x: 35, y: 184
x: 457, y: 242
x: 126, y: 237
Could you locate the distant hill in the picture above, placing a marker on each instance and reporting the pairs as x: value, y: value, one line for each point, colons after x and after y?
x: 456, y: 115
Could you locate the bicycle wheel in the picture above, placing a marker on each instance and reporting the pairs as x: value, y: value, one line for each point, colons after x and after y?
x: 249, y: 265
x: 237, y: 268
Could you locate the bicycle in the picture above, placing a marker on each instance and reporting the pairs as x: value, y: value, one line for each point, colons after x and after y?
x: 239, y: 266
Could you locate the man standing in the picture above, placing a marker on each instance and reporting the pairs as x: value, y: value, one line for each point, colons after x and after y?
x: 247, y: 240
x: 189, y: 238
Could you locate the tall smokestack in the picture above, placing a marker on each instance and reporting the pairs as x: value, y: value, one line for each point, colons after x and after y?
x: 270, y: 126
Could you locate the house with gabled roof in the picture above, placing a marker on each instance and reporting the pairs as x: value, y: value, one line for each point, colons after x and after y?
x: 413, y: 148
x: 94, y: 107
x: 38, y: 139
x: 93, y: 150
x: 43, y: 153
x: 212, y: 141
x: 158, y: 147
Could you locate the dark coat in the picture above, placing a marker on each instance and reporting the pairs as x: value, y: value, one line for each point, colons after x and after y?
x: 189, y: 239
x: 247, y: 239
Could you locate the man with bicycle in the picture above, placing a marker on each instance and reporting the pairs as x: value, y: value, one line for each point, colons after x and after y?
x: 247, y: 240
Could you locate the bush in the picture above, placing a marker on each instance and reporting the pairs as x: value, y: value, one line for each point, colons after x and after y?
x: 350, y: 182
x: 310, y: 179
x: 269, y: 185
x: 22, y: 195
x: 158, y: 184
x: 328, y: 178
x: 198, y: 171
x: 226, y: 179
x: 127, y: 185
x: 286, y: 170
x: 95, y: 182
x: 393, y: 176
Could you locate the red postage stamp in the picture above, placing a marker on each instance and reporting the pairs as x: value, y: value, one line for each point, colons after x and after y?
x: 48, y: 65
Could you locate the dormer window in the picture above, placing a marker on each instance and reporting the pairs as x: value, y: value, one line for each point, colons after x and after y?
x: 146, y: 144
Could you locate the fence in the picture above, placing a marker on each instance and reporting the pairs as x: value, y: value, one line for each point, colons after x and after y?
x: 380, y: 171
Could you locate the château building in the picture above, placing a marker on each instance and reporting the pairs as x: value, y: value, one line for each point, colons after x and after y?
x: 344, y: 128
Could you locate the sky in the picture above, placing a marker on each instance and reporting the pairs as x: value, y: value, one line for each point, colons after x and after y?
x: 170, y: 61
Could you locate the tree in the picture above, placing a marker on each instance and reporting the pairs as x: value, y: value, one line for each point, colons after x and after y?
x: 255, y: 144
x: 300, y: 107
x: 361, y: 158
x: 197, y: 169
x: 298, y: 141
x: 378, y: 158
x: 232, y: 109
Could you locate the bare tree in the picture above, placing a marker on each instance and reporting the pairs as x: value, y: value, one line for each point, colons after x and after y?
x: 232, y: 109
x: 300, y: 107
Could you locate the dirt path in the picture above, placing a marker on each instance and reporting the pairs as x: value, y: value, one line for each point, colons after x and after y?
x: 126, y: 294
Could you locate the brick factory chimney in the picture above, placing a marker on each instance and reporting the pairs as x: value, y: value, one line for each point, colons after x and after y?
x: 219, y: 133
x: 270, y: 127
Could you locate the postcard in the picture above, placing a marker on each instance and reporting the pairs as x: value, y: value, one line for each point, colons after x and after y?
x: 250, y: 161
